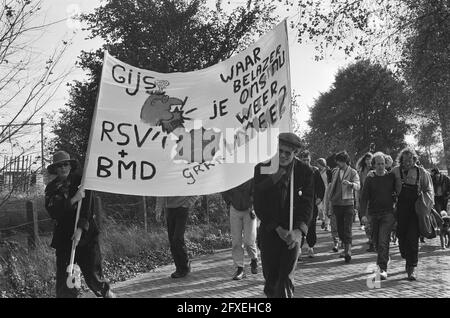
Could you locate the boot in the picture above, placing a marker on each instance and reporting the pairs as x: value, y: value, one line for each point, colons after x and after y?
x: 348, y: 253
x: 254, y: 266
x: 239, y: 273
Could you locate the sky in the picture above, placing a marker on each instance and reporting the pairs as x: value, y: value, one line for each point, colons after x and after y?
x: 308, y: 77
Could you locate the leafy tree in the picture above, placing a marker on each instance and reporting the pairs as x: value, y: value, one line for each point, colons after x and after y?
x: 409, y: 36
x: 427, y: 66
x: 163, y: 36
x: 364, y: 106
x: 428, y: 137
x: 28, y: 79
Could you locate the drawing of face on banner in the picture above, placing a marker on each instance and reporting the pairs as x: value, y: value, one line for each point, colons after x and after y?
x: 189, y: 133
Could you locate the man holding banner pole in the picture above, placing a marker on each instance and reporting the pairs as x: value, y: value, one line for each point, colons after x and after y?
x: 284, y: 206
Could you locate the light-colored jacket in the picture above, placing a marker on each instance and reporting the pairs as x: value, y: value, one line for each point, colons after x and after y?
x: 347, y: 190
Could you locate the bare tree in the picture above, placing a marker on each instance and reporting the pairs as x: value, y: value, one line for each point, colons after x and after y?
x: 28, y: 78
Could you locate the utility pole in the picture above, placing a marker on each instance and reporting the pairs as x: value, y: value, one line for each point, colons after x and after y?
x: 42, y: 144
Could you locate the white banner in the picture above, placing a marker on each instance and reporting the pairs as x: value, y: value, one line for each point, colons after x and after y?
x: 191, y: 133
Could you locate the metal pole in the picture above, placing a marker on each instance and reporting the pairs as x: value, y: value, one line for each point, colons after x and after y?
x: 144, y: 204
x: 42, y: 144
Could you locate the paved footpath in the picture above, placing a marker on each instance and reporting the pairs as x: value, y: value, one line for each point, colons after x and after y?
x: 325, y: 275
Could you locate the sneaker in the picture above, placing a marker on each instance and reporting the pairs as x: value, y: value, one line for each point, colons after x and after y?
x: 347, y: 258
x: 335, y: 248
x: 239, y: 273
x: 410, y: 270
x: 254, y: 266
x: 179, y: 274
x: 362, y: 228
x: 383, y: 275
x: 310, y: 252
x: 323, y: 225
x: 109, y: 294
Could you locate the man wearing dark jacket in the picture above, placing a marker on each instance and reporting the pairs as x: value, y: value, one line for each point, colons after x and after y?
x: 319, y: 192
x: 242, y: 226
x: 61, y: 199
x: 441, y: 185
x: 279, y: 245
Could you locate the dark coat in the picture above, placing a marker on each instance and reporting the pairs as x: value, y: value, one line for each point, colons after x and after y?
x: 241, y: 197
x: 268, y: 203
x: 319, y: 186
x: 57, y: 202
x: 444, y: 182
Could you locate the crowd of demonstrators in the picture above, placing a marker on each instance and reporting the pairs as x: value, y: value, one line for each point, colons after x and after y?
x: 242, y: 227
x: 384, y: 192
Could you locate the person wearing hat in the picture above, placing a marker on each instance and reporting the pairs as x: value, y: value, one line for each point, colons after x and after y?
x: 61, y: 199
x: 278, y: 245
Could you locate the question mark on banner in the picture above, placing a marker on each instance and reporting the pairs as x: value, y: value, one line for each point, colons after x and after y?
x: 73, y: 10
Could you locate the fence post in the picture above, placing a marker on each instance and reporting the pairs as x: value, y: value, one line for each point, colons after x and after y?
x: 99, y: 208
x: 33, y: 229
x: 144, y: 206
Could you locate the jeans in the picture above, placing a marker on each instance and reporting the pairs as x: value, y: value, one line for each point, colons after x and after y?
x: 333, y: 227
x: 176, y: 226
x: 440, y: 204
x: 382, y: 224
x: 311, y: 237
x: 344, y: 220
x: 243, y: 230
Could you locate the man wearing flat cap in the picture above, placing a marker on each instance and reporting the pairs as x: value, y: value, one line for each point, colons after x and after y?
x: 279, y: 246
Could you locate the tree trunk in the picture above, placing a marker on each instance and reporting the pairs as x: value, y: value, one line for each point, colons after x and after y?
x: 444, y: 118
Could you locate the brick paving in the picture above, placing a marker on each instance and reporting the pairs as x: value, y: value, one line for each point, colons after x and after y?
x: 325, y: 275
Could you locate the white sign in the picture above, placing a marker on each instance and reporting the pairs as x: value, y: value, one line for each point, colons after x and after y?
x: 189, y: 133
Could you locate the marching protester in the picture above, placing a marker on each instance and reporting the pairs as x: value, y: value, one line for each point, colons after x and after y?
x: 410, y: 182
x: 323, y: 207
x: 377, y: 201
x: 61, y: 199
x: 344, y: 182
x: 242, y: 227
x: 176, y: 210
x: 279, y: 246
x: 319, y: 191
x: 441, y: 185
x: 389, y: 162
x: 364, y: 166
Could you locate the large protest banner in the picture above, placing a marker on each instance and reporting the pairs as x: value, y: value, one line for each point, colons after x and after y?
x: 190, y: 133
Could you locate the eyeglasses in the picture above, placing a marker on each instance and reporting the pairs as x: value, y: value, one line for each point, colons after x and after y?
x: 62, y: 164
